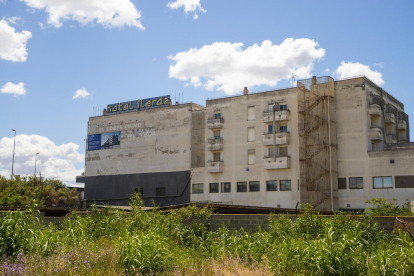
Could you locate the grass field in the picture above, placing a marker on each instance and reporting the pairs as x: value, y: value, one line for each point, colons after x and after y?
x: 153, y: 243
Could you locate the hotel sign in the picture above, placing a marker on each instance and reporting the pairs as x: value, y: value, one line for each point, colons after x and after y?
x: 137, y: 105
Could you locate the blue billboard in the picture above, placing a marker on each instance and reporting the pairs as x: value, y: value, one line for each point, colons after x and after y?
x: 137, y: 105
x: 110, y: 140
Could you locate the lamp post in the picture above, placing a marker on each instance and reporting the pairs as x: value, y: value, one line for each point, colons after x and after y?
x: 14, y: 147
x: 35, y: 164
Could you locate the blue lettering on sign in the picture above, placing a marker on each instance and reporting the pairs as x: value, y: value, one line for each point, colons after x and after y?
x: 94, y: 142
x: 137, y: 105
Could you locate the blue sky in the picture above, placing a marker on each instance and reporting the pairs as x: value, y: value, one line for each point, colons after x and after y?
x: 128, y: 55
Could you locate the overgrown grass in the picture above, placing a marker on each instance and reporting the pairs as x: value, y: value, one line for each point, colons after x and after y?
x: 155, y: 243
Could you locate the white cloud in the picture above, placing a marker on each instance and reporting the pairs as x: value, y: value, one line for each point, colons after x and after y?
x: 11, y: 88
x: 189, y: 6
x: 13, y: 44
x: 109, y: 13
x: 81, y: 94
x: 380, y: 64
x: 226, y: 67
x: 355, y: 69
x: 53, y: 160
x: 327, y: 70
x: 13, y: 20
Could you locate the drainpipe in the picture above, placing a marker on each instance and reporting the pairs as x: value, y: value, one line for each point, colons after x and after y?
x: 274, y: 133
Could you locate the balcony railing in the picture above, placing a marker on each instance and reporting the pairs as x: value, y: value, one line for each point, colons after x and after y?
x: 375, y: 110
x: 281, y: 162
x: 375, y: 134
x: 282, y: 115
x: 282, y: 138
x: 391, y: 139
x: 389, y: 118
x: 215, y: 144
x: 215, y: 122
x: 402, y: 125
x: 215, y: 166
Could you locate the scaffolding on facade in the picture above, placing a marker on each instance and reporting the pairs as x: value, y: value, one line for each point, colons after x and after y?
x: 317, y: 143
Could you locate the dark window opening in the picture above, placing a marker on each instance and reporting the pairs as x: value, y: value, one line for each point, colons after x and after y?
x: 226, y: 187
x: 160, y: 191
x: 214, y: 187
x: 271, y: 185
x: 254, y: 186
x: 285, y: 185
x: 241, y: 186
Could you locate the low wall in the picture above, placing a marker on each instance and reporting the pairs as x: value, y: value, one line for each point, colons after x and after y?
x: 252, y: 223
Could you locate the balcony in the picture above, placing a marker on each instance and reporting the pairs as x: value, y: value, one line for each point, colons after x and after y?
x: 391, y: 139
x: 375, y: 110
x: 282, y: 115
x: 375, y: 134
x: 389, y: 118
x: 215, y: 166
x: 215, y: 122
x: 215, y: 144
x: 281, y: 162
x: 282, y: 138
x: 402, y: 125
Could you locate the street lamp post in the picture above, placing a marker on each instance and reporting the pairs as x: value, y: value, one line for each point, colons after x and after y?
x: 14, y: 147
x: 35, y: 162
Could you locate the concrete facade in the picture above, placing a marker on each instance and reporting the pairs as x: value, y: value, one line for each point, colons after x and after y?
x: 227, y: 152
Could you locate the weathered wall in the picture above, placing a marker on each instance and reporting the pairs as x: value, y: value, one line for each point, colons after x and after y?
x: 117, y: 189
x: 154, y: 152
x: 356, y: 155
x: 198, y: 143
x: 236, y: 147
x: 161, y: 144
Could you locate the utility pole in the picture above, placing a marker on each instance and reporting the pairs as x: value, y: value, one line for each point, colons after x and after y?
x: 14, y: 147
x: 35, y: 163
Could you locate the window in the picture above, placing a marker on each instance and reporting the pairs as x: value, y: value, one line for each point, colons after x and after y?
x: 216, y: 134
x: 356, y: 183
x: 139, y: 191
x: 283, y: 151
x: 250, y: 113
x: 217, y: 115
x: 216, y: 157
x: 406, y: 181
x: 250, y: 134
x: 252, y: 157
x: 254, y: 186
x: 198, y: 188
x: 342, y: 183
x: 160, y: 191
x: 241, y: 186
x: 214, y: 187
x: 285, y: 185
x: 283, y: 128
x: 271, y: 185
x: 270, y: 128
x: 383, y: 182
x: 225, y: 187
x: 283, y: 106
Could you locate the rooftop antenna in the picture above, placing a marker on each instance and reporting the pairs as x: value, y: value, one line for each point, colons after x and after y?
x: 293, y: 79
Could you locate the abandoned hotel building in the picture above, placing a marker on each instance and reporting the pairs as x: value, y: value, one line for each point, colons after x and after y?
x: 333, y: 144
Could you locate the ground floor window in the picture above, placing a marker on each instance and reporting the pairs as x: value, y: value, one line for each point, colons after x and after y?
x: 254, y: 186
x: 198, y: 188
x: 271, y: 185
x: 225, y: 187
x: 214, y: 187
x: 285, y: 185
x: 342, y: 183
x: 356, y: 183
x: 382, y: 182
x: 241, y: 186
